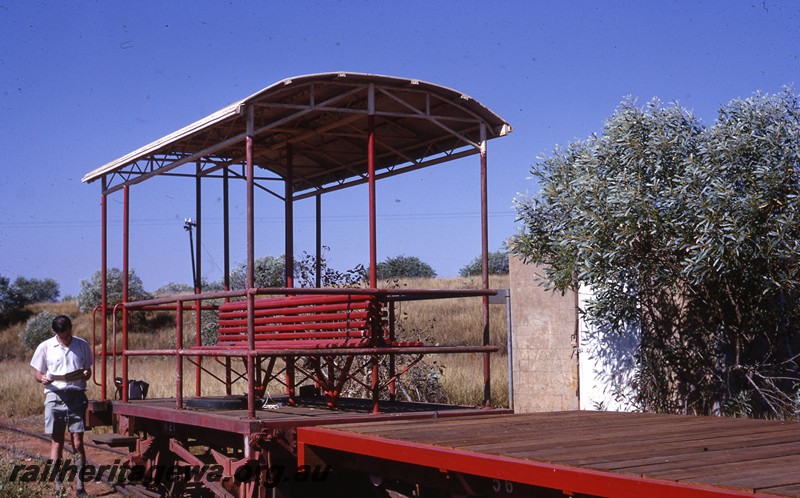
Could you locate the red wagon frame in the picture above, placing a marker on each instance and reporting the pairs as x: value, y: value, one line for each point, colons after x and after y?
x: 313, y: 134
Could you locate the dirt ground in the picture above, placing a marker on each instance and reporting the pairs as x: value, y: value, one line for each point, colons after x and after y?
x: 23, y: 450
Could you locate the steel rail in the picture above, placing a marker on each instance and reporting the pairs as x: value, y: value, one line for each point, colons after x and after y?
x: 127, y: 490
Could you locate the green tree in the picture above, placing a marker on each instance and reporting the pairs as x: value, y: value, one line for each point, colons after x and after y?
x: 16, y: 295
x: 498, y: 265
x: 269, y: 271
x: 25, y: 291
x: 691, y: 235
x: 5, y: 297
x: 90, y: 295
x: 173, y: 288
x: 404, y: 267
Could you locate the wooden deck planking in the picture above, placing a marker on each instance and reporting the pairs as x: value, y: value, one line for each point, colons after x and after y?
x: 688, y: 455
x: 746, y: 455
x: 605, y: 450
x: 308, y: 411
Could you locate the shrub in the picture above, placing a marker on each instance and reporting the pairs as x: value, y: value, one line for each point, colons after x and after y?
x: 209, y: 330
x: 498, y: 265
x: 306, y: 273
x: 269, y: 271
x: 17, y: 488
x: 404, y: 267
x: 91, y: 292
x: 38, y: 329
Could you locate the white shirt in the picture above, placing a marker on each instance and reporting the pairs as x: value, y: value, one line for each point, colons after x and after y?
x: 52, y: 358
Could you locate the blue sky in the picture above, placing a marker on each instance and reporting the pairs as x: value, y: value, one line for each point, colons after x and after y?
x: 83, y: 83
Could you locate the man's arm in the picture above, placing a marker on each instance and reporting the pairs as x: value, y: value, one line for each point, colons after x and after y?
x: 88, y: 361
x: 41, y: 377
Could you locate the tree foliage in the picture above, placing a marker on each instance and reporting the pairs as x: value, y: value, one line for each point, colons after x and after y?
x: 306, y: 272
x: 404, y: 267
x: 91, y: 293
x: 498, y: 265
x: 26, y: 291
x: 37, y: 329
x: 14, y: 296
x: 691, y: 234
x: 268, y: 271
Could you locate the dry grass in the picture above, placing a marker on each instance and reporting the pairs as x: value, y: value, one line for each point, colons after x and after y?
x: 451, y: 321
x: 20, y: 394
x: 463, y: 379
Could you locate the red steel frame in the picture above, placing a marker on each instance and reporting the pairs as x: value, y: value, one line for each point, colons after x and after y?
x: 252, y: 353
x: 570, y: 480
x: 251, y: 182
x: 465, y: 134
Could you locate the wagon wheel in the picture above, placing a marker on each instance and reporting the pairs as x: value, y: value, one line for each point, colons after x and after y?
x: 153, y: 454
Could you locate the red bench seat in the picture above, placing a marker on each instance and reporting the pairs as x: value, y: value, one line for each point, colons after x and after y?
x: 306, y: 321
x: 308, y: 326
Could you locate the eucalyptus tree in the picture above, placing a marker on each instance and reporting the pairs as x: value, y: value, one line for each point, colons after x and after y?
x: 691, y: 235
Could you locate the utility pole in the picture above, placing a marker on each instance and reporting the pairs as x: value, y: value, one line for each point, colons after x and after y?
x: 188, y: 224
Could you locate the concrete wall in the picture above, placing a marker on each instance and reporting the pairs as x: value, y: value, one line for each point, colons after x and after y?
x: 544, y: 325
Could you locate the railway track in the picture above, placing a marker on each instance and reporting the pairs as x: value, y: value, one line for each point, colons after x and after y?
x: 128, y: 489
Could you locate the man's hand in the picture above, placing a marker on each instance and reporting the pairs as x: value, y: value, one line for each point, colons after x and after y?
x: 43, y: 379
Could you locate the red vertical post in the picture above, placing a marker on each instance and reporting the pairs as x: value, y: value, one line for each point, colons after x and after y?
x: 318, y: 266
x: 289, y: 255
x: 125, y: 269
x: 487, y: 378
x: 104, y: 288
x: 288, y: 190
x: 198, y: 287
x: 251, y: 407
x: 250, y: 198
x: 375, y: 363
x: 251, y: 346
x: 290, y: 387
x: 392, y: 356
x: 178, y: 357
x: 226, y: 231
x: 373, y: 244
x: 226, y: 265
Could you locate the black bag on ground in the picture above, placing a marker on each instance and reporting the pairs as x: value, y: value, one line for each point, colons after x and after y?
x: 137, y: 389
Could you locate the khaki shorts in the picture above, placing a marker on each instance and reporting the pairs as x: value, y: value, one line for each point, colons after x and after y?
x: 65, y: 410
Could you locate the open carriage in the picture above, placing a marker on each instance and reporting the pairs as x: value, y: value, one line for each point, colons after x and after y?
x: 308, y: 135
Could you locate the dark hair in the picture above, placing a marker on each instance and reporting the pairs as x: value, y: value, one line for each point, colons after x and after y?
x: 61, y: 323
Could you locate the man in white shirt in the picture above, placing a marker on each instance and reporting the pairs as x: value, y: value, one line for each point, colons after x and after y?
x: 63, y: 364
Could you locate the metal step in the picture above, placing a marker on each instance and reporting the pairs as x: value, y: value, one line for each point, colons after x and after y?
x: 115, y: 440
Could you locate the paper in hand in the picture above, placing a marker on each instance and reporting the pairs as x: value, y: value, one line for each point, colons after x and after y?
x: 74, y: 375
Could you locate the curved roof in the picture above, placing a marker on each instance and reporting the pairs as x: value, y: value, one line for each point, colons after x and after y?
x: 321, y: 121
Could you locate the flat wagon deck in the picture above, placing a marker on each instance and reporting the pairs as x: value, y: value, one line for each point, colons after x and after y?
x: 274, y: 412
x: 570, y: 453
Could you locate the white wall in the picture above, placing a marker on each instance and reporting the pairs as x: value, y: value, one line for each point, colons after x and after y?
x: 606, y: 364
